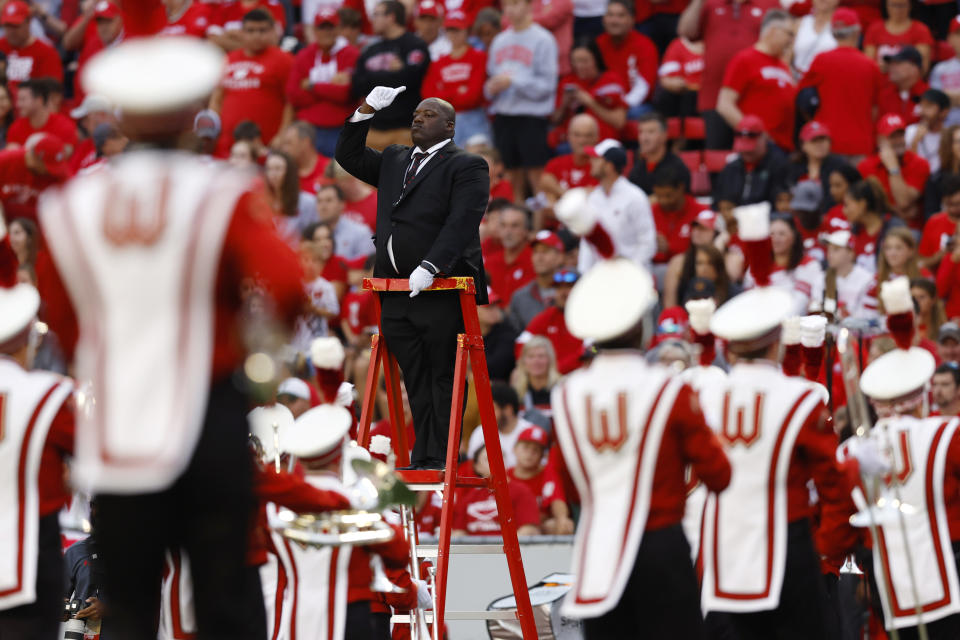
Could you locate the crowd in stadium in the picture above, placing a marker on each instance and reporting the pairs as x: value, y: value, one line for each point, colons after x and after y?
x: 843, y: 115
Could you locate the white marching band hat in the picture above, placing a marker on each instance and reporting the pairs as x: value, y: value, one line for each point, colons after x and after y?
x: 609, y: 300
x: 318, y: 435
x: 752, y: 319
x: 898, y: 374
x: 154, y: 75
x: 261, y: 422
x: 18, y: 309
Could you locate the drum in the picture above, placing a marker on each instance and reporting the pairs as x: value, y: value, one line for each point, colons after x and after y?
x: 545, y: 597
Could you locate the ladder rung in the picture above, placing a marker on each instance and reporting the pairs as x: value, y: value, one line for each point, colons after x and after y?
x: 430, y: 550
x: 508, y: 614
x: 432, y: 480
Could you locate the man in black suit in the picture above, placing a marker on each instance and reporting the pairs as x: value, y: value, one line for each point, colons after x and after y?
x: 429, y: 206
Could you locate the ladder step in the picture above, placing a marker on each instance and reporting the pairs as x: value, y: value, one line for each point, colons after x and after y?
x: 509, y: 614
x: 431, y: 550
x: 432, y: 480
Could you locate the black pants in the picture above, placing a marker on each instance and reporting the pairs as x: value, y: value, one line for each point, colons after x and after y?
x: 799, y: 615
x: 719, y: 133
x: 661, y: 599
x: 40, y: 620
x: 380, y: 626
x: 359, y: 625
x: 936, y: 16
x: 207, y: 512
x: 422, y: 333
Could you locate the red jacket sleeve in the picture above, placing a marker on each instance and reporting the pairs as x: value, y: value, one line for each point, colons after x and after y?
x: 294, y: 493
x: 346, y: 62
x: 946, y: 276
x: 296, y: 94
x: 701, y: 448
x: 395, y: 552
x: 8, y: 263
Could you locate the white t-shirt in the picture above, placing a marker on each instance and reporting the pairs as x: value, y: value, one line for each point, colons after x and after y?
x: 809, y: 43
x: 626, y: 215
x: 507, y: 440
x: 928, y: 148
x: 309, y: 326
x: 852, y: 292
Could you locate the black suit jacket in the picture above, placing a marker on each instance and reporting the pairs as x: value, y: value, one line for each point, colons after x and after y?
x: 436, y: 218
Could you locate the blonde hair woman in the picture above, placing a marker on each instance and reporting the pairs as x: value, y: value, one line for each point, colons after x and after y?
x: 536, y: 373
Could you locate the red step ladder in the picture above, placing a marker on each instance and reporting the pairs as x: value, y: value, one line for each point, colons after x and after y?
x: 469, y: 346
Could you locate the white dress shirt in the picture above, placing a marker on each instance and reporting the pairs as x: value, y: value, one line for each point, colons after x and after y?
x: 626, y: 215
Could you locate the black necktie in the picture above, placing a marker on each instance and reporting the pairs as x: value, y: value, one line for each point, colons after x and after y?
x: 412, y: 170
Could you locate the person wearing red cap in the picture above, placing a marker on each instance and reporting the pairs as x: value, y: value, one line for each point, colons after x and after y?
x: 531, y: 299
x: 815, y: 160
x: 758, y: 82
x: 945, y: 75
x: 227, y: 32
x: 37, y: 116
x: 902, y: 173
x: 428, y: 20
x: 530, y: 450
x: 27, y: 56
x: 757, y: 174
x: 100, y: 25
x: 254, y: 83
x: 27, y: 171
x: 187, y: 18
x: 458, y: 78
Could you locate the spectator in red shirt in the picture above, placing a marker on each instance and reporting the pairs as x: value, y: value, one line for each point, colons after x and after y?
x: 726, y: 28
x: 530, y: 450
x: 254, y: 83
x: 886, y: 38
x: 848, y: 84
x: 674, y: 211
x: 628, y: 53
x: 7, y: 113
x: 551, y: 324
x: 681, y: 72
x: 319, y: 84
x: 902, y: 94
x: 758, y: 82
x: 458, y: 78
x: 229, y: 18
x: 360, y: 198
x: 92, y: 112
x: 187, y: 18
x: 26, y: 172
x: 511, y: 268
x: 939, y: 230
x: 297, y: 142
x: 902, y: 173
x: 37, y: 116
x: 475, y: 512
x: 571, y: 169
x: 592, y: 89
x: 27, y: 56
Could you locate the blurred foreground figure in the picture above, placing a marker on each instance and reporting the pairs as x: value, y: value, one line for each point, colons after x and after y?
x: 152, y: 250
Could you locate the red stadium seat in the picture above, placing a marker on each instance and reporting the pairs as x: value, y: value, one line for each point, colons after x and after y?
x: 674, y: 128
x: 692, y: 159
x: 694, y: 128
x: 715, y: 159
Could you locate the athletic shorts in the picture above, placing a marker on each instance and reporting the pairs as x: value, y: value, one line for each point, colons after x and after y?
x: 521, y: 141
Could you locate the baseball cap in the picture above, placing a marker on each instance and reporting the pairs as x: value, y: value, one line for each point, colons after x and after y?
x: 610, y: 150
x: 890, y: 124
x: 673, y: 321
x: 53, y: 153
x: 429, y: 8
x: 906, y: 54
x: 16, y: 12
x: 748, y: 133
x: 326, y: 15
x: 206, y: 124
x: 106, y: 10
x: 533, y: 434
x: 841, y: 238
x: 294, y: 387
x: 949, y: 331
x: 91, y: 104
x: 456, y: 20
x: 806, y: 196
x: 550, y: 239
x: 706, y: 218
x: 955, y: 25
x: 937, y: 97
x: 844, y: 17
x: 813, y: 130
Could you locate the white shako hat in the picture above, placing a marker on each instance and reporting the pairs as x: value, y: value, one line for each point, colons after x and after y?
x: 18, y: 309
x: 147, y: 76
x: 752, y: 320
x: 898, y: 375
x: 261, y: 421
x: 609, y: 300
x: 318, y: 435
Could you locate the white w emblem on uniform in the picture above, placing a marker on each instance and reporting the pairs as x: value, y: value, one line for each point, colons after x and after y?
x: 126, y: 221
x: 738, y: 429
x: 599, y: 430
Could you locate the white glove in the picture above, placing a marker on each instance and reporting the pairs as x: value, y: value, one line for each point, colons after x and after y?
x: 813, y: 330
x: 420, y: 279
x: 382, y: 97
x: 344, y: 395
x: 573, y: 211
x: 872, y: 460
x: 700, y: 312
x: 790, y: 331
x: 424, y: 600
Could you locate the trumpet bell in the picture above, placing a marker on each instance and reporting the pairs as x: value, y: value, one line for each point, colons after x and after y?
x: 334, y: 528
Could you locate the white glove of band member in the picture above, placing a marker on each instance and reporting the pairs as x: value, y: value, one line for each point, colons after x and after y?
x: 382, y: 97
x: 424, y: 600
x: 872, y: 460
x: 420, y: 279
x: 573, y: 211
x: 345, y: 395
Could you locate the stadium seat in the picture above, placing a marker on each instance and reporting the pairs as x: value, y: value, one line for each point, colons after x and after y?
x: 674, y: 128
x: 715, y: 159
x: 694, y: 128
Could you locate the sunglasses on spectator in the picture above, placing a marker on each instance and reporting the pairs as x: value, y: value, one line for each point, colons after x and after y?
x: 565, y: 277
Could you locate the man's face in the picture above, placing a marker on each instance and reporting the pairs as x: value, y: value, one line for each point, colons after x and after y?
x: 617, y: 21
x: 839, y: 257
x: 326, y: 35
x: 903, y: 74
x: 529, y: 454
x: 898, y: 142
x: 944, y: 389
x: 430, y: 125
x: 109, y: 28
x: 513, y: 228
x: 562, y: 293
x: 954, y: 40
x: 380, y: 21
x: 28, y: 105
x: 781, y: 36
x: 756, y: 154
x: 546, y: 260
x: 931, y: 113
x: 428, y: 28
x: 949, y: 350
x: 115, y: 145
x: 669, y: 198
x: 951, y: 204
x: 257, y: 36
x: 505, y: 416
x: 293, y: 145
x: 582, y: 133
x: 17, y: 34
x: 652, y: 138
x: 329, y: 206
x: 516, y: 11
